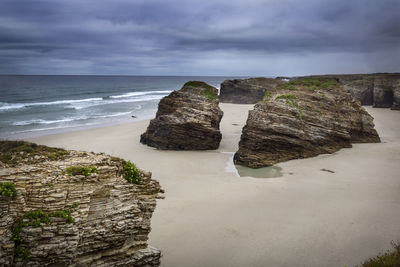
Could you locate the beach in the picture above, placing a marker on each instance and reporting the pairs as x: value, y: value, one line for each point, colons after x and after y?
x: 307, y: 217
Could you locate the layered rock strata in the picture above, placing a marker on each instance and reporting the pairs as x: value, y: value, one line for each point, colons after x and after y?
x: 246, y: 91
x: 300, y: 119
x: 187, y: 119
x: 382, y: 90
x: 73, y: 208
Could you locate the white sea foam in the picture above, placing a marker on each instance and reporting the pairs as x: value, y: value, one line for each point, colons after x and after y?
x: 89, y: 102
x: 133, y: 94
x: 65, y: 120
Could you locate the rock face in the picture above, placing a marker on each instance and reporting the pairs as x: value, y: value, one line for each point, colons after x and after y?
x: 246, y: 91
x: 300, y: 119
x: 59, y: 217
x: 382, y: 90
x: 187, y: 119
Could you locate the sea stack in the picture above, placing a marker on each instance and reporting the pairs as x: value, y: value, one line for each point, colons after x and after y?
x: 187, y: 119
x: 246, y: 91
x: 68, y: 208
x: 303, y: 118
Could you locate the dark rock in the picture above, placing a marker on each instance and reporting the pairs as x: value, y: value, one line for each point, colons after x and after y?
x: 382, y: 88
x: 246, y: 91
x: 301, y: 119
x: 187, y: 119
x: 362, y: 90
x: 383, y: 92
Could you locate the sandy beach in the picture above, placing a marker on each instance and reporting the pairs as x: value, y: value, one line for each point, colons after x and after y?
x: 212, y: 217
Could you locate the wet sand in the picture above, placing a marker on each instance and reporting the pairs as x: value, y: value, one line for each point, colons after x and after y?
x: 306, y: 217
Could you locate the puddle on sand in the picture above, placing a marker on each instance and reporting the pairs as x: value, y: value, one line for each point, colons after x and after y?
x: 241, y: 171
x: 266, y: 172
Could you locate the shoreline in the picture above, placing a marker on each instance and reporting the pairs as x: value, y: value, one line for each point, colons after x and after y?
x: 307, y: 217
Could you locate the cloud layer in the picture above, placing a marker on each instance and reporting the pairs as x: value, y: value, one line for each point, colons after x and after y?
x: 209, y: 37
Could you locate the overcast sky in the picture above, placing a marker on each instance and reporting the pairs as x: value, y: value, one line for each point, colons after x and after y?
x: 205, y: 37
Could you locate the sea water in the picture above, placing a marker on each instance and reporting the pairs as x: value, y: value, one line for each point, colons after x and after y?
x: 42, y: 104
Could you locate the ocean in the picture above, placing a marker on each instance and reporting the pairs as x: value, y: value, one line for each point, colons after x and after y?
x: 34, y: 105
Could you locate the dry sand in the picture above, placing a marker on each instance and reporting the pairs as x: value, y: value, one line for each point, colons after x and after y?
x: 307, y: 217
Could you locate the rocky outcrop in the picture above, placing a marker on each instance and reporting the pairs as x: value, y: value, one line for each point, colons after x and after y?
x: 187, y: 119
x: 382, y: 90
x: 246, y: 91
x: 70, y: 208
x: 300, y: 119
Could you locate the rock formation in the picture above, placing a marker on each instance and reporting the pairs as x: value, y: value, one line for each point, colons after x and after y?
x: 246, y: 91
x: 382, y: 90
x: 70, y: 208
x: 187, y: 119
x: 303, y: 118
x: 379, y: 90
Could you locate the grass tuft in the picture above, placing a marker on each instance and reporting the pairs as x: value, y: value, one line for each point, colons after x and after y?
x: 81, y: 170
x: 390, y: 258
x: 7, y: 189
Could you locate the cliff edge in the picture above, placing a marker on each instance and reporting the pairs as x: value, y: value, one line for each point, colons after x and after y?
x: 69, y: 208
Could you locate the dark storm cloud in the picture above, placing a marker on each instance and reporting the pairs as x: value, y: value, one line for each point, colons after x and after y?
x: 196, y: 37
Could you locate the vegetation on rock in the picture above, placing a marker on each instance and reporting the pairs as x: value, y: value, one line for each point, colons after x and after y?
x: 34, y: 219
x: 210, y: 94
x: 389, y: 258
x: 81, y: 170
x: 307, y: 125
x: 7, y: 189
x: 131, y: 172
x: 13, y: 152
x: 198, y: 84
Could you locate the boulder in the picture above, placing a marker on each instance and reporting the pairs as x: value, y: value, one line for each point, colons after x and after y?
x: 300, y: 119
x: 68, y: 208
x: 246, y: 91
x: 187, y: 119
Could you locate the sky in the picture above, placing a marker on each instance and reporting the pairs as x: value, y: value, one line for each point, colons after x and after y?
x: 207, y: 37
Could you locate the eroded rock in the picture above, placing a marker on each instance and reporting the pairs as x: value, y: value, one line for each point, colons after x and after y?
x: 301, y: 119
x: 246, y: 91
x: 187, y: 119
x: 94, y: 219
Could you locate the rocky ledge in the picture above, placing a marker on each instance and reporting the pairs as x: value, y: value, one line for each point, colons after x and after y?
x: 300, y: 119
x: 68, y: 208
x: 382, y: 90
x: 246, y: 91
x: 187, y: 119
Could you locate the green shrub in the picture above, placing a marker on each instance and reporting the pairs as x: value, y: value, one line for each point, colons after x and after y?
x: 12, y: 151
x: 34, y: 218
x: 23, y: 253
x: 66, y: 214
x: 7, y: 189
x: 387, y: 259
x: 291, y: 100
x: 5, y: 158
x: 81, y: 170
x: 208, y: 91
x: 316, y: 82
x: 210, y: 94
x: 198, y: 84
x: 131, y: 173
